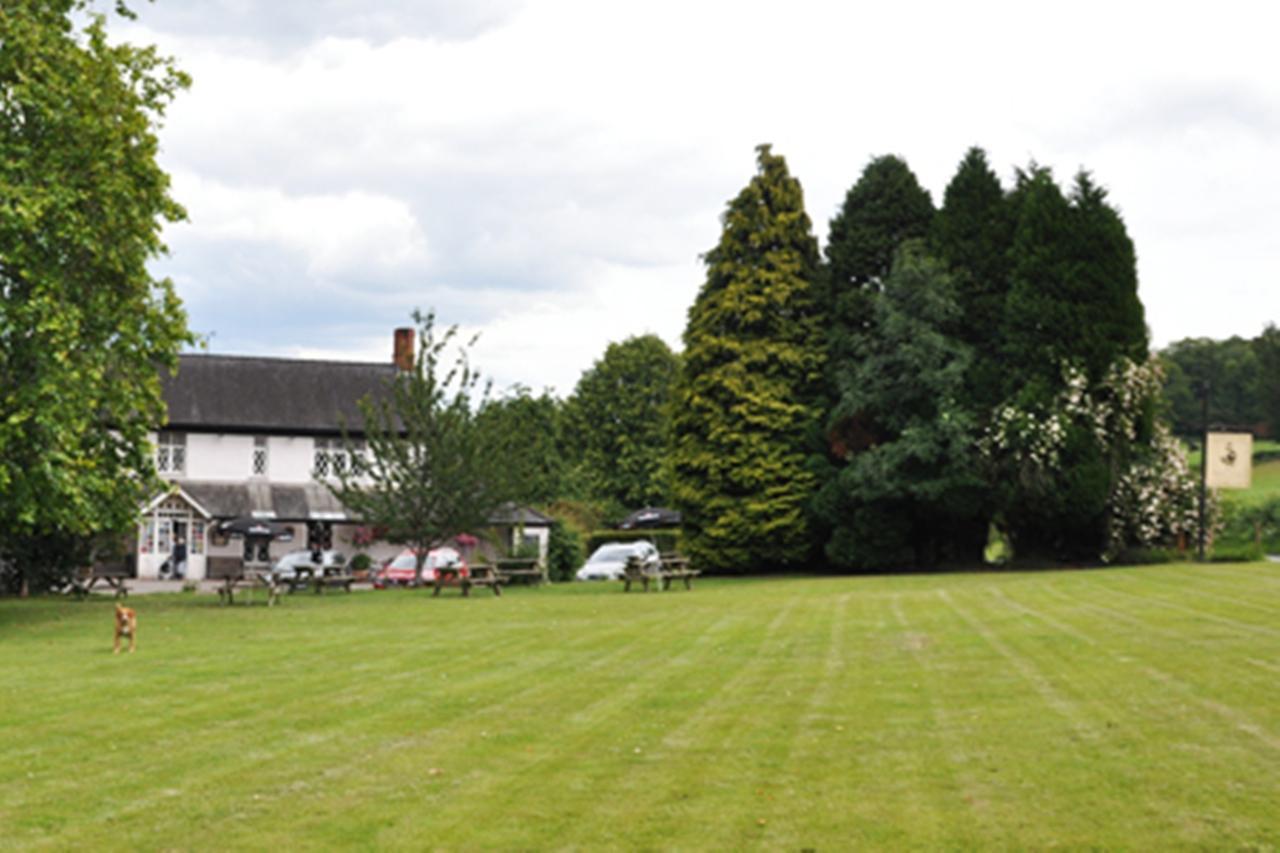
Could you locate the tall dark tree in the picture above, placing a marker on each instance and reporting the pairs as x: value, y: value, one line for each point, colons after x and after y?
x: 527, y: 432
x: 1073, y: 295
x: 885, y: 208
x: 907, y: 491
x: 971, y: 234
x: 1072, y: 302
x: 616, y: 425
x: 84, y: 327
x: 745, y: 408
x: 1234, y: 371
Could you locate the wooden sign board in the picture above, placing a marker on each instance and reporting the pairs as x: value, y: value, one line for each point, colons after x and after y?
x: 1229, y: 464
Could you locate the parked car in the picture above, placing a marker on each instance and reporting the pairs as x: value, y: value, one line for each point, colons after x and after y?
x: 399, y: 571
x: 286, y: 568
x: 609, y: 561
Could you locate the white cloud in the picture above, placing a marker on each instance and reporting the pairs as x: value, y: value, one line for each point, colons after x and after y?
x: 530, y: 169
x: 350, y: 233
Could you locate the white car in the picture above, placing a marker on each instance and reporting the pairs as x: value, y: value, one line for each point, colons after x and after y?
x: 609, y: 561
x: 286, y: 568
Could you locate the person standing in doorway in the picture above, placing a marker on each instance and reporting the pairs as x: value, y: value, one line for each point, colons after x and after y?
x: 179, y: 558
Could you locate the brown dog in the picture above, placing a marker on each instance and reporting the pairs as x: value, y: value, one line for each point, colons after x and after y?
x: 126, y: 626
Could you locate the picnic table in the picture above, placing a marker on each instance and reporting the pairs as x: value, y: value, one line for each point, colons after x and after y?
x: 83, y: 581
x: 670, y: 567
x: 481, y: 574
x: 249, y: 580
x: 519, y: 570
x: 333, y: 576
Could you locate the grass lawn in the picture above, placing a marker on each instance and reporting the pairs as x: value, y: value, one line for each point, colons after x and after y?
x: 1135, y: 708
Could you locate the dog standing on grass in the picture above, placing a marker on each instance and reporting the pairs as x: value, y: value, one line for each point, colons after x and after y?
x: 126, y: 626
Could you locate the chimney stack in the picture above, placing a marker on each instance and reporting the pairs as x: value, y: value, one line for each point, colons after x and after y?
x: 402, y: 353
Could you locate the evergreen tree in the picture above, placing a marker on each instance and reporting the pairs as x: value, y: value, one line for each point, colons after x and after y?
x: 1072, y: 304
x: 744, y: 406
x: 1073, y: 295
x: 902, y: 497
x: 883, y: 209
x: 886, y: 207
x: 971, y: 234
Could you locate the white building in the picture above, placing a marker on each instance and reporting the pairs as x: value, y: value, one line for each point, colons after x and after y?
x: 259, y: 437
x: 250, y: 436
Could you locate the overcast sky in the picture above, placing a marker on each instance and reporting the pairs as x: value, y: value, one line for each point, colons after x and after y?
x: 548, y: 172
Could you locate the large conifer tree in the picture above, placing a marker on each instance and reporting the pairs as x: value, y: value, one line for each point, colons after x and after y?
x: 971, y: 234
x: 744, y: 404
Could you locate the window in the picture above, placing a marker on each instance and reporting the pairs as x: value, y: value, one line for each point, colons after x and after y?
x: 332, y: 458
x: 171, y: 452
x: 260, y: 456
x: 324, y: 454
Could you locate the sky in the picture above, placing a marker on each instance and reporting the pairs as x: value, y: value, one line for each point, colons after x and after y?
x: 548, y: 173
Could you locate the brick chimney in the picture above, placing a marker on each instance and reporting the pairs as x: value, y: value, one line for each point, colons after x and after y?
x: 402, y: 353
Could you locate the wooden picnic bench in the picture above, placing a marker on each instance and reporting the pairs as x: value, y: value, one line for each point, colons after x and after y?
x: 480, y: 574
x: 84, y: 580
x: 520, y: 570
x: 249, y: 580
x: 670, y: 567
x: 676, y: 567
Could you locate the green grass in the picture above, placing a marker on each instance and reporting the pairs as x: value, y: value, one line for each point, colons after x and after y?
x: 1129, y: 708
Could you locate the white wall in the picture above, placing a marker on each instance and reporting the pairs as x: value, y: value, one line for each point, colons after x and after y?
x: 229, y: 458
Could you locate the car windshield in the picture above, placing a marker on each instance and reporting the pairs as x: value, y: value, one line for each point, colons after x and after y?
x: 613, y: 554
x: 404, y: 561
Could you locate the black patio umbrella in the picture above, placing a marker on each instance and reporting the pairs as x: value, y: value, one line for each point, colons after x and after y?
x: 256, y: 528
x: 651, y: 516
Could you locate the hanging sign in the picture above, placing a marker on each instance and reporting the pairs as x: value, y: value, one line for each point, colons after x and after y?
x: 1229, y: 464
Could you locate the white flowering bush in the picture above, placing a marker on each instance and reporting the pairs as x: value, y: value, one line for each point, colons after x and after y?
x: 1153, y: 496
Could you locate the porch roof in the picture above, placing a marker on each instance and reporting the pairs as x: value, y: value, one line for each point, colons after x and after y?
x: 301, y: 502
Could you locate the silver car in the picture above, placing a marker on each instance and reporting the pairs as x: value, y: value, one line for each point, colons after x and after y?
x: 609, y: 561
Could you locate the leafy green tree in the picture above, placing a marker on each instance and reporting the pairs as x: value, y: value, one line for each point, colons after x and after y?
x: 84, y: 328
x: 1234, y: 372
x: 902, y: 497
x: 971, y: 234
x: 616, y: 425
x: 745, y: 405
x: 527, y: 431
x: 431, y: 469
x: 1267, y: 349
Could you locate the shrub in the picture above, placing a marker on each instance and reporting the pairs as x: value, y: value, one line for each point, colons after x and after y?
x: 564, y: 551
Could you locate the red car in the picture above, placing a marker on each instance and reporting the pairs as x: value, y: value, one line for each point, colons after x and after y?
x: 400, y: 571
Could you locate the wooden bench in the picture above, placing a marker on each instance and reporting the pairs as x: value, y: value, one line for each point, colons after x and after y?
x: 676, y: 567
x: 481, y: 574
x: 332, y: 578
x: 671, y: 567
x: 520, y: 570
x: 248, y: 581
x: 83, y: 581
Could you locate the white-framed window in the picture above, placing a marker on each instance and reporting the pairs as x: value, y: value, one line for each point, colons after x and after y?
x: 171, y: 452
x: 324, y: 456
x: 259, y: 464
x: 332, y: 458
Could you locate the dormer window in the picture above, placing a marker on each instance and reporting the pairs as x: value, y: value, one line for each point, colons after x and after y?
x: 259, y: 465
x: 171, y: 452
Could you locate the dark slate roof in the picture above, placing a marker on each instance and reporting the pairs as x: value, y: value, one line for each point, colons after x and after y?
x: 227, y: 393
x: 511, y: 514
